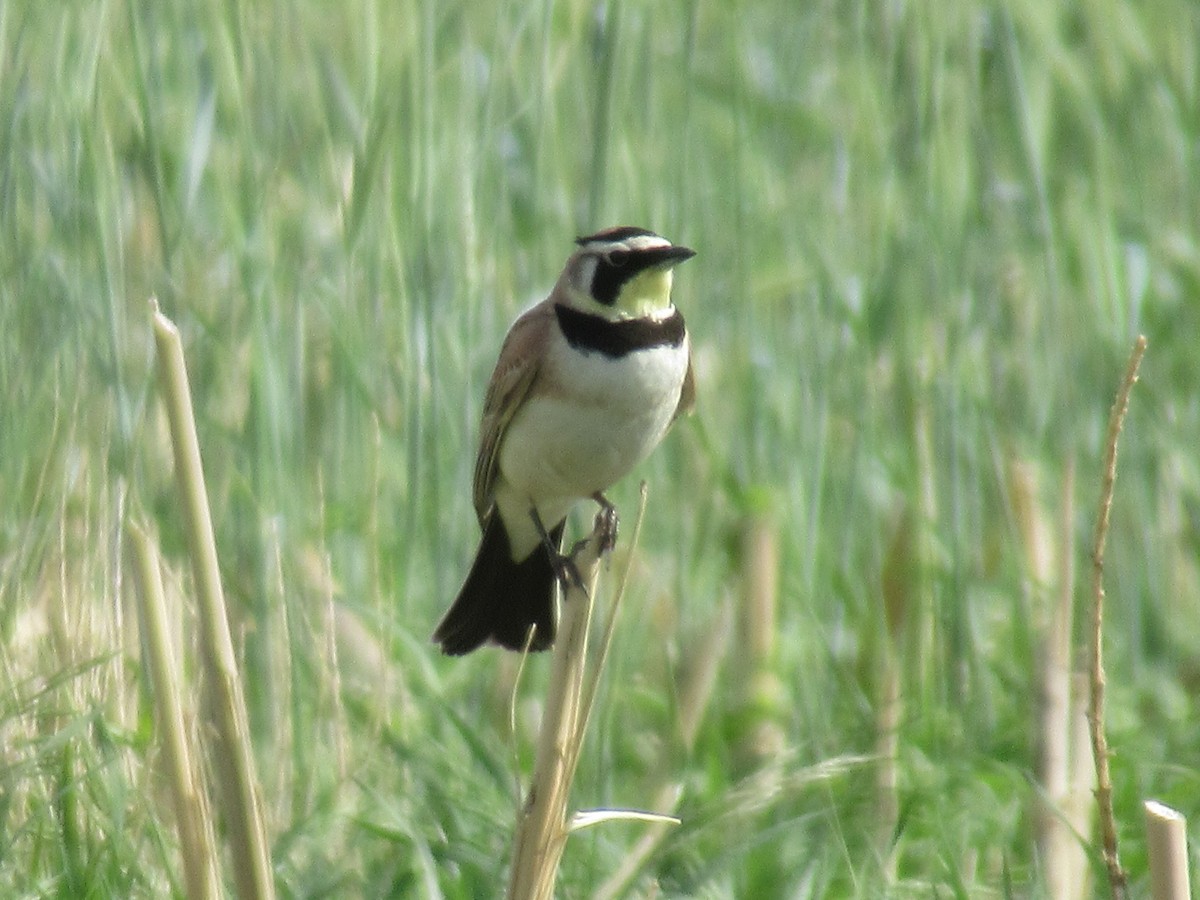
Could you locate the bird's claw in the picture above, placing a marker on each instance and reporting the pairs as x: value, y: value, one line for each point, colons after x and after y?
x: 566, y: 571
x: 607, y: 523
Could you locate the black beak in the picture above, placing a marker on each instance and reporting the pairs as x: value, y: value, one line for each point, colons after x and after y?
x: 663, y: 257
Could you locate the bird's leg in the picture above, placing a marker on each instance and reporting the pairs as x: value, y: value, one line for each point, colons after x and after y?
x: 608, y: 522
x: 564, y: 567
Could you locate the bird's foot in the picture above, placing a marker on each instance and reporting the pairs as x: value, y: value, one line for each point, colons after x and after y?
x: 565, y: 570
x: 607, y: 523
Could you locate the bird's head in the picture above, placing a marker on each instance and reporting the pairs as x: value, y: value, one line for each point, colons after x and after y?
x: 622, y: 273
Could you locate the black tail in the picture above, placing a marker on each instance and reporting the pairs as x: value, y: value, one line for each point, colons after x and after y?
x: 501, y: 599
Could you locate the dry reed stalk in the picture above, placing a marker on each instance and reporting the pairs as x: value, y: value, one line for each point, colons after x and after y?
x: 1059, y: 815
x: 1108, y: 829
x: 761, y: 735
x: 232, y: 758
x: 192, y: 818
x: 889, y: 708
x: 542, y: 825
x: 697, y: 686
x: 1078, y: 804
x: 921, y: 618
x: 1166, y: 846
x: 899, y: 587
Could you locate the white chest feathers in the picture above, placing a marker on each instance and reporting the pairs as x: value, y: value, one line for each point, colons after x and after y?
x: 590, y: 419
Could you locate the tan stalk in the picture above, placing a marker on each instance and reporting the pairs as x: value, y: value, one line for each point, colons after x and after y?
x: 899, y: 586
x: 542, y: 823
x: 1062, y: 856
x: 1079, y: 804
x: 699, y: 680
x: 542, y: 826
x: 1166, y: 846
x: 191, y: 808
x: 762, y: 737
x: 1108, y: 828
x: 921, y: 619
x: 232, y: 759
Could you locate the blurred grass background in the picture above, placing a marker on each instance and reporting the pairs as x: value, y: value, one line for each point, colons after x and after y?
x: 928, y: 234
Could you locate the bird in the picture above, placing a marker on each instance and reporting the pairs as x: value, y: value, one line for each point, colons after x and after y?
x: 587, y: 384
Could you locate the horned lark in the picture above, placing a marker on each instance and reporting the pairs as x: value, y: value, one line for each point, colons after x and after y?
x: 588, y: 382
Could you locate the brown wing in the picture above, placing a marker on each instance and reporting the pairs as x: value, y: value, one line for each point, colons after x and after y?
x: 515, y: 372
x: 687, y: 394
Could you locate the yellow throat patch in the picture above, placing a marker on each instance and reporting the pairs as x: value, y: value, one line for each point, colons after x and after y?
x: 647, y: 294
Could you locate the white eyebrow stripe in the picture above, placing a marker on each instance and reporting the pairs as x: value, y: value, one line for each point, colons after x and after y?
x: 640, y: 242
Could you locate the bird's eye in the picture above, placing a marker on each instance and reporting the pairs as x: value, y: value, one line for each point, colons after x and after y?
x: 618, y: 258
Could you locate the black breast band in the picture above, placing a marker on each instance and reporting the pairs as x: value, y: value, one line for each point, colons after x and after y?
x: 591, y: 333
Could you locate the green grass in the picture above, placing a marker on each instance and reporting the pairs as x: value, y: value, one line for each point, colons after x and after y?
x: 928, y: 234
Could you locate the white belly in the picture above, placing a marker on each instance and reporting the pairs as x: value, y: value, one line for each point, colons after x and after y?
x: 564, y: 445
